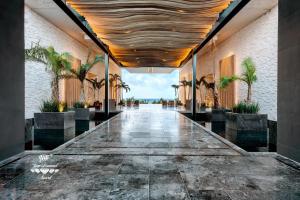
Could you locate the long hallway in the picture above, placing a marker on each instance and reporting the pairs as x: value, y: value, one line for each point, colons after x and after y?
x: 149, y: 153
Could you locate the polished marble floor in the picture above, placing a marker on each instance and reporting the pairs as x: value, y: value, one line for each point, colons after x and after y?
x: 149, y: 153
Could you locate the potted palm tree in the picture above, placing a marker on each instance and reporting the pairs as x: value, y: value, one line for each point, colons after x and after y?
x: 113, y: 82
x: 245, y: 126
x: 97, y: 85
x: 217, y: 113
x: 176, y: 87
x: 187, y: 84
x: 123, y: 86
x: 81, y: 75
x: 53, y: 125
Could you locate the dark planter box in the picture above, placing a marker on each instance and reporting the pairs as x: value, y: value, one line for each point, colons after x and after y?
x: 82, y: 114
x: 247, y: 130
x: 218, y: 119
x: 82, y: 119
x: 53, y: 129
x: 29, y: 123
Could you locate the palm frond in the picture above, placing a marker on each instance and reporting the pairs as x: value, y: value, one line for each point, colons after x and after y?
x: 225, y: 81
x: 37, y: 53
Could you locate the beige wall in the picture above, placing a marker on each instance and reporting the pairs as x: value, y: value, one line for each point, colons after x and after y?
x: 37, y: 79
x: 257, y: 40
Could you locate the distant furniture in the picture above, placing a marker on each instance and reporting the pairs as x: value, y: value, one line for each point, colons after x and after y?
x: 98, y: 105
x: 136, y: 103
x: 164, y: 103
x: 171, y: 103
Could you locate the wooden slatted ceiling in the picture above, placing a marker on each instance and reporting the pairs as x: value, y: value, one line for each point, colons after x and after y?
x: 150, y: 33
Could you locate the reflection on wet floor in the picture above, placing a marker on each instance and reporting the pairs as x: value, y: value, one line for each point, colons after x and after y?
x: 149, y: 153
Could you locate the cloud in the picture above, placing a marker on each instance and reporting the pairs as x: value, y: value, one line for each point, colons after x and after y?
x: 150, y: 85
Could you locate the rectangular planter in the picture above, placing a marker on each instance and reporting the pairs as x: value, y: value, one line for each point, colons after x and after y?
x: 82, y: 113
x: 52, y: 129
x: 218, y: 119
x: 247, y: 130
x: 112, y: 105
x: 82, y: 119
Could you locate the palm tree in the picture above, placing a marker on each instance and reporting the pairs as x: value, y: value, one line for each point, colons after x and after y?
x: 55, y: 62
x: 124, y: 86
x: 248, y: 76
x: 176, y: 87
x: 97, y: 85
x: 113, y: 81
x: 210, y: 86
x: 82, y: 72
x: 189, y: 85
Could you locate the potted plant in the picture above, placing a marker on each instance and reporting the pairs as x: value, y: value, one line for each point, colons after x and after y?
x: 202, y: 107
x: 245, y: 126
x: 97, y: 85
x: 184, y: 84
x: 82, y: 71
x: 53, y: 125
x: 82, y: 117
x: 217, y: 113
x: 123, y: 86
x: 83, y: 113
x: 113, y: 83
x: 176, y: 87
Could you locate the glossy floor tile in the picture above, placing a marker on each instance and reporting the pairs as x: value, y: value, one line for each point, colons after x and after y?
x: 149, y: 153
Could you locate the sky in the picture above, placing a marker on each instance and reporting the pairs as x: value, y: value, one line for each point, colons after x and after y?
x: 145, y: 86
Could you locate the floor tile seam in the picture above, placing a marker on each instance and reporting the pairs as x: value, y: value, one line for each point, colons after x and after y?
x: 94, y: 147
x: 147, y: 154
x: 149, y: 171
x: 185, y: 186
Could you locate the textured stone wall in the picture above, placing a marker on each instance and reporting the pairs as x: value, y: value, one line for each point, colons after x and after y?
x: 259, y: 41
x: 37, y: 79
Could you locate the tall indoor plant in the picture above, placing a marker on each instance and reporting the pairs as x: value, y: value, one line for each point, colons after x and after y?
x: 82, y: 71
x: 217, y: 113
x: 245, y: 126
x: 114, y: 81
x: 248, y: 76
x: 176, y: 87
x: 186, y: 84
x: 123, y: 86
x: 56, y: 63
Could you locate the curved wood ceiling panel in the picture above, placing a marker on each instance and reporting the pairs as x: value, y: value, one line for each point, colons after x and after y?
x: 150, y: 33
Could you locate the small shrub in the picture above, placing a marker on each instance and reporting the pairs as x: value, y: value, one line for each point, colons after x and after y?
x: 49, y: 106
x: 78, y: 105
x: 244, y: 107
